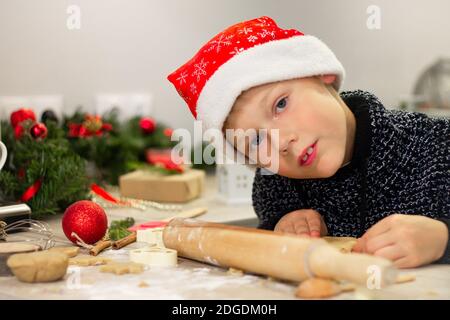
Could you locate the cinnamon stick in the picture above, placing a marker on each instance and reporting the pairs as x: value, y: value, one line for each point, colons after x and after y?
x: 99, y: 247
x: 124, y: 241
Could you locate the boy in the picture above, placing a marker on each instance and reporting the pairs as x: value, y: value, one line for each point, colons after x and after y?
x: 345, y: 165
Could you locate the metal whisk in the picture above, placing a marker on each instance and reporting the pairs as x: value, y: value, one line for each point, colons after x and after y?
x: 28, y: 230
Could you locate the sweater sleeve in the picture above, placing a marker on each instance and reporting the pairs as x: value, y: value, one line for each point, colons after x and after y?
x: 274, y: 196
x: 440, y: 130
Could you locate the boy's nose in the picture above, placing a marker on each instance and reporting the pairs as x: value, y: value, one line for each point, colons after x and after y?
x: 286, y: 143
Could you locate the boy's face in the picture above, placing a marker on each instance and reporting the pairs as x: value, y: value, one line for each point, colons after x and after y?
x: 308, y: 116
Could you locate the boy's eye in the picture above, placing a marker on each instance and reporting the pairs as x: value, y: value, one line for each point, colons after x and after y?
x: 281, y: 104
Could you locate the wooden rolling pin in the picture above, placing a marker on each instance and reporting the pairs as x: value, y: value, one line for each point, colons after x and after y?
x: 281, y: 256
x: 195, y: 212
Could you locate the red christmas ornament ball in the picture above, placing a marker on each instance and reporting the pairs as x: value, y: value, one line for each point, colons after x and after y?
x: 39, y: 131
x: 87, y: 219
x: 147, y: 125
x: 21, y: 115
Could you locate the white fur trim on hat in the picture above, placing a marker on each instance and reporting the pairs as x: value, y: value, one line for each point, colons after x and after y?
x: 295, y: 57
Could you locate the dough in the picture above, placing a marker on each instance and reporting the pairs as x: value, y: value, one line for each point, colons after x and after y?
x: 143, y: 284
x: 86, y: 261
x: 41, y: 266
x: 235, y: 272
x: 315, y: 288
x: 344, y: 244
x: 402, y: 278
x: 69, y: 251
x: 122, y: 268
x: 9, y: 248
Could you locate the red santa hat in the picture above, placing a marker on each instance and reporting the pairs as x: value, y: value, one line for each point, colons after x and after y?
x: 246, y: 55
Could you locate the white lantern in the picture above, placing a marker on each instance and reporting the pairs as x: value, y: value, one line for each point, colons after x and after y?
x: 235, y: 182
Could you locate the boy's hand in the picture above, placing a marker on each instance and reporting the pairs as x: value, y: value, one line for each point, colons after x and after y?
x: 305, y: 222
x: 408, y: 240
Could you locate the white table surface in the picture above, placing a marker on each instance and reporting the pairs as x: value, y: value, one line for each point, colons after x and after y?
x: 194, y: 280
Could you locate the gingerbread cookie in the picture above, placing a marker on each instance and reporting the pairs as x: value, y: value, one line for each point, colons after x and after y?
x: 120, y: 268
x: 86, y: 261
x: 69, y: 251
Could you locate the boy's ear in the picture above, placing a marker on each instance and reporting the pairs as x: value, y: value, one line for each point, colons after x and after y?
x: 328, y: 78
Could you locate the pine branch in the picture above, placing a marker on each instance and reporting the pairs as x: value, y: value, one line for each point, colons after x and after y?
x: 51, y: 159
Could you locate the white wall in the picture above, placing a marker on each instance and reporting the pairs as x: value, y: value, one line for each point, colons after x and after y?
x: 131, y: 46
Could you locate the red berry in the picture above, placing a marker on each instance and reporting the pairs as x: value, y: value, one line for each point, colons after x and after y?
x: 168, y: 132
x: 147, y: 125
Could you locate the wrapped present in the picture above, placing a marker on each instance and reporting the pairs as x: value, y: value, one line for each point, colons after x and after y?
x: 154, y: 186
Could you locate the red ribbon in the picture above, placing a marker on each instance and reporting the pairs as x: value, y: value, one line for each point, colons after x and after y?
x: 99, y: 191
x: 31, y: 191
x: 163, y: 160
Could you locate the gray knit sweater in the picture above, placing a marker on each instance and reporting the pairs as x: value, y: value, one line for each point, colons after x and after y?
x: 400, y: 164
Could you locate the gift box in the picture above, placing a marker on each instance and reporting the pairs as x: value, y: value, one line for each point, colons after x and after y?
x: 154, y: 186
